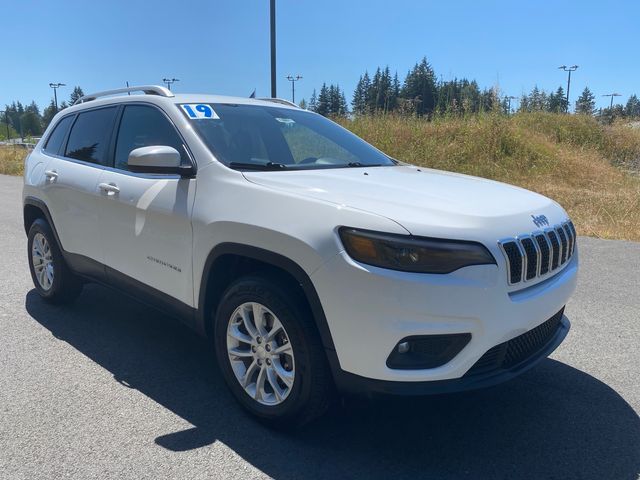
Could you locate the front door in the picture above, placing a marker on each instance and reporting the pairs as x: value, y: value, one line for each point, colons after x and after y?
x: 145, y: 219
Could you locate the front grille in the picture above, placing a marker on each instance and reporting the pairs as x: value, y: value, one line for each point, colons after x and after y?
x: 517, y: 350
x: 533, y: 255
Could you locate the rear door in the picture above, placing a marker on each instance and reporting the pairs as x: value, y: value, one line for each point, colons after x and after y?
x: 145, y: 222
x: 72, y: 181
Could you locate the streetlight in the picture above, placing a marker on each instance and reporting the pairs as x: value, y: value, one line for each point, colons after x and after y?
x: 55, y: 87
x: 170, y: 81
x: 611, y: 95
x: 570, y: 69
x: 293, y: 81
x: 272, y: 22
x: 509, y: 98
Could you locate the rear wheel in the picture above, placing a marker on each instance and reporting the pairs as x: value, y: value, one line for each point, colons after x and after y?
x: 51, y: 275
x: 270, y: 353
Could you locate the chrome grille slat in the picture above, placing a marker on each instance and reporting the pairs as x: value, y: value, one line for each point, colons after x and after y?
x: 538, y: 254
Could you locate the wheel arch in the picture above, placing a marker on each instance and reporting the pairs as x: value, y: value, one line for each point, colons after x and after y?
x: 231, y: 260
x: 34, y: 208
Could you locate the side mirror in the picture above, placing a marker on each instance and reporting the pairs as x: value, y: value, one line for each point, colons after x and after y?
x: 157, y: 159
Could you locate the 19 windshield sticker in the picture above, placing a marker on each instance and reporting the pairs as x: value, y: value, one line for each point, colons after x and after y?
x: 200, y: 111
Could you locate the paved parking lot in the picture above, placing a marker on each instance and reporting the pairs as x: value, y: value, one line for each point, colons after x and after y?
x: 109, y: 388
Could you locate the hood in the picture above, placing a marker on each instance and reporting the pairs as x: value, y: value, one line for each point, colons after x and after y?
x: 424, y: 201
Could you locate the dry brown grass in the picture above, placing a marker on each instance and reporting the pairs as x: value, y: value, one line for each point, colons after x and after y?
x: 12, y: 160
x: 586, y: 167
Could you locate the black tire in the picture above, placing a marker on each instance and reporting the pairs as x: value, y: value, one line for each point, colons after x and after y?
x: 312, y: 390
x: 65, y: 286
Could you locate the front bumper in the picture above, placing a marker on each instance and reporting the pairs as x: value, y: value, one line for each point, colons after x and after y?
x: 369, y: 310
x: 485, y: 377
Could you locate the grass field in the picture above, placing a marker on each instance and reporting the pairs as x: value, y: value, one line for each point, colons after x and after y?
x: 590, y: 169
x: 12, y: 160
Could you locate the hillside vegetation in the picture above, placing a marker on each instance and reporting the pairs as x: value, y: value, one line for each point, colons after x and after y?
x: 591, y: 169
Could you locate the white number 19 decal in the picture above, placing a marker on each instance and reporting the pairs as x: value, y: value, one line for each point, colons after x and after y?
x: 200, y: 111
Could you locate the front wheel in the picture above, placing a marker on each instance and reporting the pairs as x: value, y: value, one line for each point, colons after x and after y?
x: 270, y: 353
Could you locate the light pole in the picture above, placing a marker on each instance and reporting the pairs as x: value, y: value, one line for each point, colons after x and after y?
x: 570, y: 69
x: 293, y: 81
x: 55, y: 87
x: 509, y: 98
x: 272, y: 21
x: 611, y: 95
x: 170, y: 81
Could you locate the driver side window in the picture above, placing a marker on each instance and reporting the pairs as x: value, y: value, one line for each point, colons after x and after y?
x: 144, y: 126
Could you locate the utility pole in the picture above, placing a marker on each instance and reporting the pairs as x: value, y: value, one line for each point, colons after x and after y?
x: 509, y: 98
x: 170, y: 81
x: 272, y: 15
x: 55, y: 87
x: 611, y: 95
x: 293, y: 81
x: 570, y: 69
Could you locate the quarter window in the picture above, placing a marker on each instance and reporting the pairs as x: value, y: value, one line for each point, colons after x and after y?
x: 90, y: 135
x: 143, y: 126
x: 57, y: 136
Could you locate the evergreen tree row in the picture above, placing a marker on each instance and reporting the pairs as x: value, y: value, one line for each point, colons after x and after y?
x: 421, y: 94
x: 27, y: 121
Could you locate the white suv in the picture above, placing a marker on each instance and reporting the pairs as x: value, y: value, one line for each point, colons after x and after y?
x: 311, y: 259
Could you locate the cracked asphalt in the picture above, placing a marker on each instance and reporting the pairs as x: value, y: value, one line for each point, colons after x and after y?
x: 109, y: 388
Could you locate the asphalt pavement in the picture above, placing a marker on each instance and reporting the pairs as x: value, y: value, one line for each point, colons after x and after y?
x: 109, y: 388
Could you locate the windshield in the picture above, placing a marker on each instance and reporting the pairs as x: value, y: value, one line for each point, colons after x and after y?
x: 257, y: 137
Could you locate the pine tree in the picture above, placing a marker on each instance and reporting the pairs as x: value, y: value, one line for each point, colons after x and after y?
x: 558, y: 101
x: 420, y: 88
x: 75, y: 95
x: 632, y: 109
x: 358, y: 103
x: 323, y: 102
x: 367, y: 91
x: 303, y: 104
x: 586, y: 102
x: 30, y: 123
x: 313, y: 102
x: 48, y: 113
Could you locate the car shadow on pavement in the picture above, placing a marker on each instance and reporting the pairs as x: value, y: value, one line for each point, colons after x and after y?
x: 552, y: 422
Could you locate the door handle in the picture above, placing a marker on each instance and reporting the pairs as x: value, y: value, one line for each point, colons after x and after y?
x: 109, y: 188
x: 51, y: 175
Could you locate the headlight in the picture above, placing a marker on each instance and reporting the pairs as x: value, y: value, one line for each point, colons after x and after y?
x: 413, y: 254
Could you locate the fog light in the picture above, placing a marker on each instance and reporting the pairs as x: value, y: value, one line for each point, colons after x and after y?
x: 426, y: 351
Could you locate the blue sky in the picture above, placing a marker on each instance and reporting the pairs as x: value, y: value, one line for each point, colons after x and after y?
x: 222, y: 46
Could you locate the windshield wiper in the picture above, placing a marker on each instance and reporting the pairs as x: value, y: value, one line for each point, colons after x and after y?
x: 359, y: 164
x: 257, y: 166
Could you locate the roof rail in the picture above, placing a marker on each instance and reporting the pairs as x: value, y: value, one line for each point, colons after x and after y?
x: 147, y: 89
x: 281, y: 101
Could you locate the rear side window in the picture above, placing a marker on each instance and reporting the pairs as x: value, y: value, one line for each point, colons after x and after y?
x: 143, y: 126
x: 57, y: 136
x: 90, y: 135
